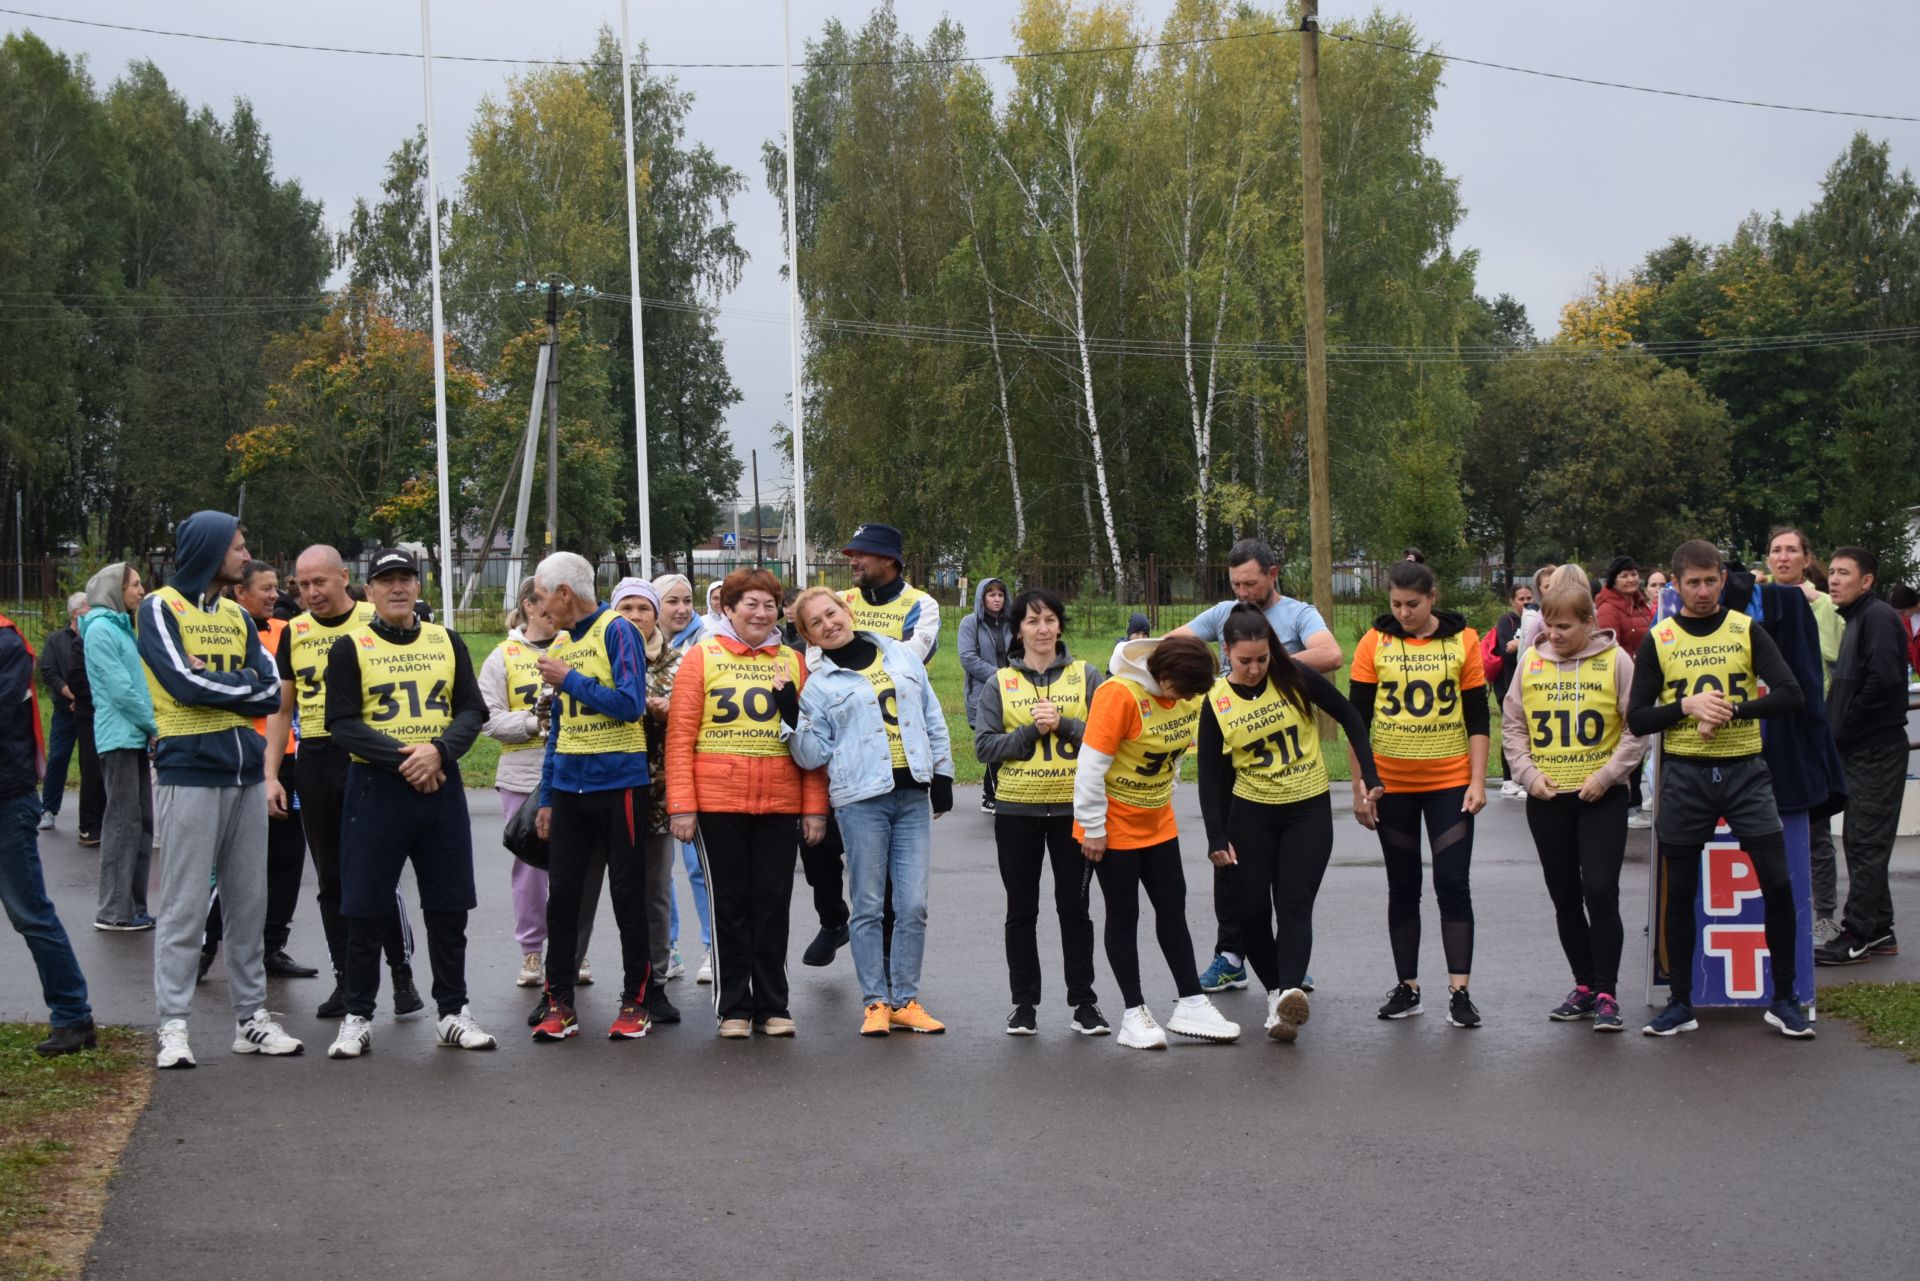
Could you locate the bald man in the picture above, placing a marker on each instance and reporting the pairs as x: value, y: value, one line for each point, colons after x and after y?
x: 320, y: 768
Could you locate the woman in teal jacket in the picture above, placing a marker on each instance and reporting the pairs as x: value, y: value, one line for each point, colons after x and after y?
x: 123, y: 729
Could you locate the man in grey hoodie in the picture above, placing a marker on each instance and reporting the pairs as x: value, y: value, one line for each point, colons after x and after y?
x: 209, y: 678
x: 984, y: 637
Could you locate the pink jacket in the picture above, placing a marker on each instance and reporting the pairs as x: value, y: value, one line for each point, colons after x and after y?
x: 1517, y: 737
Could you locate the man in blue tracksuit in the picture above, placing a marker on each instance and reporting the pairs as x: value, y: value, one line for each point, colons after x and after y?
x: 209, y: 677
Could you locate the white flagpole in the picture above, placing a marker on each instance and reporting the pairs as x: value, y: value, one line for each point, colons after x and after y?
x: 793, y: 318
x: 633, y: 281
x: 439, y: 329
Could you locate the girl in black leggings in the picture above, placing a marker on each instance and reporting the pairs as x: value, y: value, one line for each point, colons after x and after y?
x: 1564, y: 726
x: 1263, y: 797
x: 1416, y: 681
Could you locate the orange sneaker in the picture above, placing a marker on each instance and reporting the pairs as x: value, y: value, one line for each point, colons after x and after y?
x: 879, y: 1020
x: 914, y: 1018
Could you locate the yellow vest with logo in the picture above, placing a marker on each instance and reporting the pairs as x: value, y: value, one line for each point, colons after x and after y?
x: 876, y: 675
x: 406, y: 691
x: 889, y: 619
x: 737, y: 712
x: 523, y: 685
x: 1046, y: 777
x: 1573, y: 718
x: 583, y: 731
x: 1274, y: 746
x: 310, y: 641
x: 1689, y: 665
x: 219, y: 641
x: 1144, y: 769
x: 1416, y: 705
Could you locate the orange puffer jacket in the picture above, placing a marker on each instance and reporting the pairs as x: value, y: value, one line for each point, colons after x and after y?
x: 721, y: 783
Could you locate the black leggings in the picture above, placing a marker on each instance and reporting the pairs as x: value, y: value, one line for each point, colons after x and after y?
x: 1026, y: 844
x: 1122, y: 873
x: 1282, y: 852
x: 1581, y: 848
x: 1769, y: 854
x: 1450, y: 833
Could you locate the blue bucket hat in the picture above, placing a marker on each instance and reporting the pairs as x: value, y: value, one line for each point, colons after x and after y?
x: 877, y: 540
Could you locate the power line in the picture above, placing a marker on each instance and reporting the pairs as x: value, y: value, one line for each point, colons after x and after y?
x: 938, y: 60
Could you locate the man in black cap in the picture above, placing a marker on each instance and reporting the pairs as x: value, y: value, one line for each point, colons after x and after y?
x: 402, y: 698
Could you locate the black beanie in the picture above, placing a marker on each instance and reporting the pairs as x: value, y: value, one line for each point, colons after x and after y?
x: 1619, y: 565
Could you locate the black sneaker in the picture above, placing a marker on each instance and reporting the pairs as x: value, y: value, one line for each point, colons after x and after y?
x: 539, y: 1010
x: 986, y: 805
x: 1089, y: 1021
x: 1022, y: 1022
x: 335, y: 1006
x: 1847, y: 948
x: 659, y: 1008
x: 1606, y: 1015
x: 1460, y: 1011
x: 1577, y: 1006
x: 1886, y: 945
x: 1402, y: 1003
x: 406, y: 997
x: 825, y: 944
x: 206, y: 963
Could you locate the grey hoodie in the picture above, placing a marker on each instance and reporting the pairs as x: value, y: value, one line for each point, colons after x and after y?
x: 122, y: 705
x: 984, y: 640
x: 993, y: 742
x: 1517, y: 736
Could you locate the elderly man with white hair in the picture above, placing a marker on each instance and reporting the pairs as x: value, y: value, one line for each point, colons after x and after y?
x: 593, y: 787
x: 57, y: 669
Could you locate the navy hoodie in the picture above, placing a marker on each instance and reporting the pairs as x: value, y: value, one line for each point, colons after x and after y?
x: 231, y: 757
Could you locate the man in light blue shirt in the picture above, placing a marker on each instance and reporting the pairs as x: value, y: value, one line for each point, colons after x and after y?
x: 1253, y: 571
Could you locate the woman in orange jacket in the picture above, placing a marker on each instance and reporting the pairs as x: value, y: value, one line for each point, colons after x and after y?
x: 730, y: 776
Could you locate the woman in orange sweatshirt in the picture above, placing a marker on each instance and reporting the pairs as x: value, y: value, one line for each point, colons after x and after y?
x: 730, y: 775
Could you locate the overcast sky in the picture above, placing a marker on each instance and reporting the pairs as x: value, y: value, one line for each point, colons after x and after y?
x: 1559, y: 180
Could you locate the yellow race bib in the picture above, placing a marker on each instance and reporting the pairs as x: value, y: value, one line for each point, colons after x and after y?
x: 523, y: 685
x: 890, y: 619
x: 1690, y: 664
x: 737, y: 712
x: 1573, y: 718
x: 583, y: 731
x: 1046, y: 777
x: 219, y: 641
x: 1144, y: 769
x: 1416, y: 704
x: 406, y: 691
x: 310, y: 641
x: 1274, y: 747
x: 877, y: 676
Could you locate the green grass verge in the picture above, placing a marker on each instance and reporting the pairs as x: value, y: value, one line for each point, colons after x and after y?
x: 1888, y: 1013
x: 63, y: 1123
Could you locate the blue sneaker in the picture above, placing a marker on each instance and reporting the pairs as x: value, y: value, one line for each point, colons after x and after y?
x: 1787, y: 1015
x: 141, y: 921
x: 1306, y: 983
x: 1677, y: 1017
x: 1222, y: 977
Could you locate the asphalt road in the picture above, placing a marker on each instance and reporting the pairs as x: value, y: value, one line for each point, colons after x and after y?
x: 1525, y: 1148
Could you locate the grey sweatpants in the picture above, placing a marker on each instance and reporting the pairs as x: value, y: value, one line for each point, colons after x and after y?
x: 126, y: 835
x: 207, y: 832
x: 658, y: 854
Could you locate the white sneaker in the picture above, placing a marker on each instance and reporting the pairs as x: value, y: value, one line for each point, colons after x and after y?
x: 1138, y: 1031
x: 1273, y: 1005
x: 355, y: 1038
x: 174, y: 1051
x: 261, y: 1035
x: 585, y: 976
x: 676, y: 968
x: 46, y: 822
x: 1512, y: 790
x: 1195, y: 1016
x: 460, y: 1032
x: 1290, y: 1010
x: 1638, y: 819
x: 1825, y: 930
x: 706, y: 968
x: 533, y: 972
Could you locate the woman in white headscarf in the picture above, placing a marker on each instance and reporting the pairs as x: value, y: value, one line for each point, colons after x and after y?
x: 678, y: 622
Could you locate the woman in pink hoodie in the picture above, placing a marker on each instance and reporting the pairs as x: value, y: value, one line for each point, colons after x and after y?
x: 1564, y: 724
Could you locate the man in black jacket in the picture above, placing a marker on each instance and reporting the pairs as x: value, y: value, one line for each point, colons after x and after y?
x: 1869, y: 715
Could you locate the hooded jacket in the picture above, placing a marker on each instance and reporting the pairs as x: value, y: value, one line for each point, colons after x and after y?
x: 1627, y: 617
x: 1517, y: 737
x: 993, y: 742
x: 509, y: 725
x: 122, y: 704
x: 230, y: 757
x: 984, y: 639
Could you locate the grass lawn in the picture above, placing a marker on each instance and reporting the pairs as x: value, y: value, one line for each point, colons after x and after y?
x: 63, y: 1124
x: 1889, y: 1013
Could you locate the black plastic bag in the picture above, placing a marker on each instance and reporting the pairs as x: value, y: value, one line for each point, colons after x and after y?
x: 521, y: 838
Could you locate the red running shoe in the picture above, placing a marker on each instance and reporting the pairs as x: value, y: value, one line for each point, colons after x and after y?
x: 631, y: 1023
x: 559, y: 1022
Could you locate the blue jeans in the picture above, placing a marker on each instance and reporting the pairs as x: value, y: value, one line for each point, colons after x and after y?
x: 890, y: 835
x: 62, y: 734
x: 23, y: 891
x: 697, y: 877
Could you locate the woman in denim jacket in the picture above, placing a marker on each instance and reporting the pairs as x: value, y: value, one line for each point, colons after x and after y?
x: 869, y: 715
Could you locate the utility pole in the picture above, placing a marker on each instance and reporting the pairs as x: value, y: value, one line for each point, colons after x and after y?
x: 553, y: 412
x: 1313, y: 229
x: 755, y: 455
